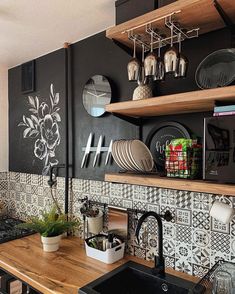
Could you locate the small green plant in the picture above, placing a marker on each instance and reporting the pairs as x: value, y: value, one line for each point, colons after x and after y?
x: 50, y: 224
x: 90, y: 211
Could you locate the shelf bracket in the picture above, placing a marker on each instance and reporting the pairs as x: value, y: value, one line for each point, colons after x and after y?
x: 133, y: 120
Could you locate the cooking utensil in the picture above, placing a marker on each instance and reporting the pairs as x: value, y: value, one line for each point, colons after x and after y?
x: 150, y: 61
x: 171, y: 57
x: 109, y: 153
x: 183, y: 62
x: 87, y: 150
x: 98, y: 150
x: 216, y: 70
x: 134, y: 66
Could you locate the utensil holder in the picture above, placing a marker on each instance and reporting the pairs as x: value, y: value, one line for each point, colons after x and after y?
x: 95, y: 224
x: 108, y: 256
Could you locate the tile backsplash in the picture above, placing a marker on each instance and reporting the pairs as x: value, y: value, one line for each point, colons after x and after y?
x: 193, y: 241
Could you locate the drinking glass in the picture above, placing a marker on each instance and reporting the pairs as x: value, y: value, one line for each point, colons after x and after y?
x: 134, y: 66
x: 171, y: 56
x: 222, y: 283
x: 183, y: 62
x: 150, y: 62
x: 230, y: 268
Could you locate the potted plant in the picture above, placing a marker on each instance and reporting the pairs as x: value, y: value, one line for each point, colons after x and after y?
x: 51, y: 226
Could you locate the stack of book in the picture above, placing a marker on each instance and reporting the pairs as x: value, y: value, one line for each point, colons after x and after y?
x: 224, y: 110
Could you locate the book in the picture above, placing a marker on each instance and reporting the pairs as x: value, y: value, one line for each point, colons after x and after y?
x: 224, y: 113
x: 223, y: 103
x: 224, y: 108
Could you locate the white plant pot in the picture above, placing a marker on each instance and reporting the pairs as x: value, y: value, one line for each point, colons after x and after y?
x: 51, y: 244
x: 95, y: 224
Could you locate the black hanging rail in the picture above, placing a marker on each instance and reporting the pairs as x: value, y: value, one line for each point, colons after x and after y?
x: 68, y: 122
x: 67, y: 67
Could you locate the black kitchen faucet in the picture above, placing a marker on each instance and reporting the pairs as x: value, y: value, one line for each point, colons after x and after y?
x: 159, y: 266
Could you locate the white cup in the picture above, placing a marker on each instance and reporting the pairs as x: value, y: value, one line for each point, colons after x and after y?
x: 222, y: 211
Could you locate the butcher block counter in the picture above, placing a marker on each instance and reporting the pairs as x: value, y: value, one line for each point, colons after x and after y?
x: 64, y: 271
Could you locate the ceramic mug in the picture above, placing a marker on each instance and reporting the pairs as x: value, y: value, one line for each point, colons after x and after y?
x: 222, y: 211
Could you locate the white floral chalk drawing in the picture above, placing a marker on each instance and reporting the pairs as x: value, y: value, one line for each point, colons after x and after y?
x: 43, y: 126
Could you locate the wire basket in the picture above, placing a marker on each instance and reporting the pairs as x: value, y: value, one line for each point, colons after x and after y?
x: 205, y: 285
x: 184, y: 164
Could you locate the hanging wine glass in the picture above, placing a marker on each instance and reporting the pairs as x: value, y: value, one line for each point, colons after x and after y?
x: 171, y: 57
x: 150, y: 62
x: 160, y: 64
x: 142, y: 77
x: 183, y: 62
x: 134, y: 66
x: 143, y: 91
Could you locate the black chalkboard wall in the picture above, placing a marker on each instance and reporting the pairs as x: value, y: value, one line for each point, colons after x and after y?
x: 96, y: 55
x: 25, y: 133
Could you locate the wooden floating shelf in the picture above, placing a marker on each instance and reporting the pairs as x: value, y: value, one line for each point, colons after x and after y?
x: 189, y: 102
x: 194, y: 13
x: 171, y: 183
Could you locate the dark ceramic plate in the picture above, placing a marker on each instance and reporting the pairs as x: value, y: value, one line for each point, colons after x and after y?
x: 160, y: 136
x: 216, y: 70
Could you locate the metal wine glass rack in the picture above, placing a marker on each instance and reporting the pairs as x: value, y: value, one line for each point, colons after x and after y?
x: 160, y: 38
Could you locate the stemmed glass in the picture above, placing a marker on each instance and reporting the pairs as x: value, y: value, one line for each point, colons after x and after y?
x: 160, y: 64
x: 183, y: 62
x: 171, y: 57
x: 134, y: 66
x: 150, y: 62
x: 142, y: 77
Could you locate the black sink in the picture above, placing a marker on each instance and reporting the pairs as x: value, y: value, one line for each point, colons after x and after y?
x: 134, y: 278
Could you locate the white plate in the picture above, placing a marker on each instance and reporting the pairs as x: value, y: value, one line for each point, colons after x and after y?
x: 129, y: 158
x: 114, y: 154
x: 120, y: 154
x: 141, y: 156
x: 126, y: 157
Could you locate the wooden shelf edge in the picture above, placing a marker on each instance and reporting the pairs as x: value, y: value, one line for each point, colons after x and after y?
x: 171, y: 183
x: 180, y: 5
x: 191, y: 14
x: 193, y: 101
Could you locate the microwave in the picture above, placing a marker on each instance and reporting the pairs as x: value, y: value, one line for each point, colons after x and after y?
x: 219, y: 149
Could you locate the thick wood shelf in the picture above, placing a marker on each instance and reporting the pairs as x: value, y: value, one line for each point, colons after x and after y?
x: 171, y: 183
x: 194, y: 13
x: 189, y: 102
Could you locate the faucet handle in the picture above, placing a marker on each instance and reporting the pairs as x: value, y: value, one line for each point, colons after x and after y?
x: 167, y: 216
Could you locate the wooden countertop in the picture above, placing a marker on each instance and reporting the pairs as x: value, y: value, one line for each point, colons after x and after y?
x: 64, y: 271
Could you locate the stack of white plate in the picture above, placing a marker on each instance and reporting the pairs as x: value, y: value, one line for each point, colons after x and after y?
x: 132, y: 155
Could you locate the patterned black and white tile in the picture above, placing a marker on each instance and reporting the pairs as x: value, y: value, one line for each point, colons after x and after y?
x: 193, y: 241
